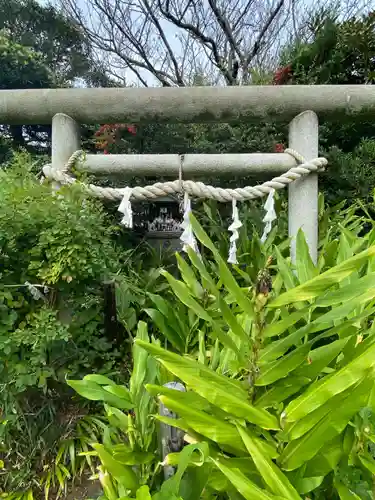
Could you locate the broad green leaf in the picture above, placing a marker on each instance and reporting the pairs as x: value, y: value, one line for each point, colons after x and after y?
x: 248, y: 489
x: 321, y: 357
x: 162, y: 305
x: 123, y: 474
x: 134, y: 457
x: 344, y: 492
x: 169, y: 311
x: 219, y: 397
x: 348, y: 440
x: 211, y: 427
x: 336, y: 319
x: 320, y: 392
x: 276, y: 481
x: 177, y: 423
x: 189, y: 277
x: 186, y: 456
x: 189, y: 398
x: 228, y: 316
x: 200, y: 370
x: 170, y: 489
x: 285, y: 270
x: 348, y: 292
x: 315, y: 361
x: 117, y: 418
x: 320, y: 284
x: 215, y: 355
x: 99, y: 379
x: 143, y: 493
x: 120, y: 391
x: 139, y: 362
x: 162, y: 324
x: 326, y: 460
x: 306, y: 484
x: 107, y: 484
x: 29, y: 495
x: 226, y: 276
x: 206, y: 278
x: 353, y: 349
x: 220, y: 483
x: 271, y: 372
x: 231, y: 320
x: 184, y: 295
x: 345, y: 251
x: 305, y: 424
x: 88, y: 390
x: 301, y: 450
x: 339, y: 312
x: 306, y: 269
x: 202, y: 348
x: 368, y: 462
x: 215, y: 392
x: 330, y: 253
x: 194, y: 484
x: 95, y: 392
x: 279, y: 327
x: 226, y: 340
x: 217, y: 430
x: 180, y: 423
x: 280, y: 391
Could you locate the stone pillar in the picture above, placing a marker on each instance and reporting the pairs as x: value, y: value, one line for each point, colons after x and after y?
x: 303, y: 193
x: 66, y: 139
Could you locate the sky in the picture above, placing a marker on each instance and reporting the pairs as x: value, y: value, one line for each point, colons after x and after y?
x: 172, y: 32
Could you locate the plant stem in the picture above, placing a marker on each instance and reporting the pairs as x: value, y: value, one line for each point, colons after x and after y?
x: 257, y: 339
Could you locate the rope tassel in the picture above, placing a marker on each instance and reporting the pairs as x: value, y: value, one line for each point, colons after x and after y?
x: 187, y: 237
x: 126, y: 208
x: 233, y: 228
x: 270, y: 216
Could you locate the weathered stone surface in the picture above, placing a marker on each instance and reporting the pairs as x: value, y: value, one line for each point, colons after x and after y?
x: 188, y: 104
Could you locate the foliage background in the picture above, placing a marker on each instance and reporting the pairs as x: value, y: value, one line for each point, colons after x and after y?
x: 68, y: 245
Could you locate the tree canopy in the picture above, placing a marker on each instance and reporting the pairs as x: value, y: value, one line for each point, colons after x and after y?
x: 59, y: 42
x: 42, y: 48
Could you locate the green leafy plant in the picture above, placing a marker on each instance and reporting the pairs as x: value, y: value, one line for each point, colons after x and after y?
x: 282, y: 388
x: 128, y: 452
x: 45, y: 455
x: 54, y: 253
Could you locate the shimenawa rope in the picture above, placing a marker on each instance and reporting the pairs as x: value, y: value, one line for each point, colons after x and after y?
x: 193, y: 189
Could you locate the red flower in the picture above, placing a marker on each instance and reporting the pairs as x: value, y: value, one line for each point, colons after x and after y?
x: 105, y: 152
x: 132, y: 129
x: 279, y: 148
x: 109, y: 134
x: 282, y: 75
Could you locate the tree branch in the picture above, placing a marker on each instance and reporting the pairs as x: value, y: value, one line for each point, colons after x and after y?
x: 225, y: 26
x: 177, y: 40
x: 165, y: 41
x: 197, y: 33
x: 258, y: 42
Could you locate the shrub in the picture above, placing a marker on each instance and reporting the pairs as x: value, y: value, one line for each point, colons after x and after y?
x: 282, y: 391
x: 279, y: 380
x: 55, y: 251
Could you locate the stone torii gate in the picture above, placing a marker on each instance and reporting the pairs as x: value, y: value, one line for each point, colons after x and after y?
x: 67, y: 108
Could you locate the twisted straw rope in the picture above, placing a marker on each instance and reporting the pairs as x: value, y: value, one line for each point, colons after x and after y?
x: 193, y: 189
